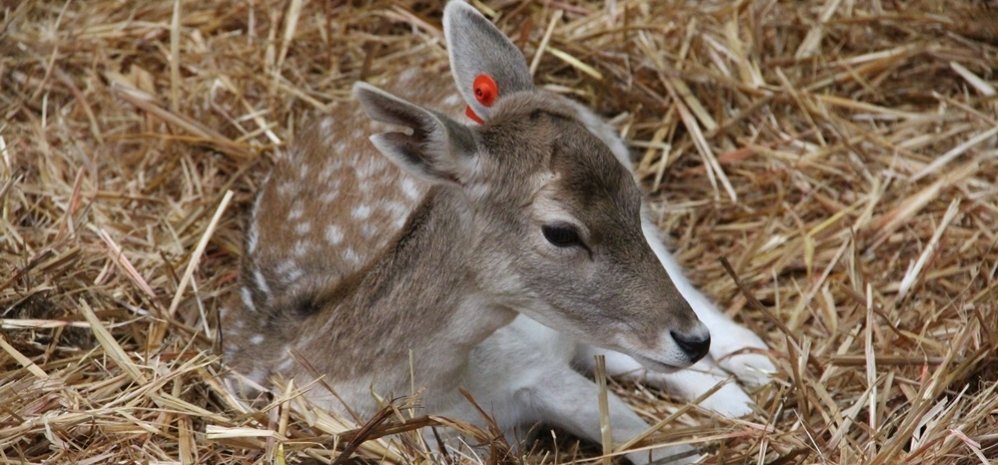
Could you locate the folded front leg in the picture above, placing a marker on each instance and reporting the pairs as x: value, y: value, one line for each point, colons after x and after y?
x: 522, y: 375
x: 568, y: 400
x: 688, y: 384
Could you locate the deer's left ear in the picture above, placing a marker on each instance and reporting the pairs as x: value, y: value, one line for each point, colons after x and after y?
x: 485, y: 64
x: 431, y: 146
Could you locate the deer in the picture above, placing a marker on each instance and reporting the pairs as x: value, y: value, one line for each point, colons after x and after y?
x: 395, y: 246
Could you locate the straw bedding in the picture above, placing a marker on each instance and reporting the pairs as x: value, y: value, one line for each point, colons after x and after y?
x: 827, y: 170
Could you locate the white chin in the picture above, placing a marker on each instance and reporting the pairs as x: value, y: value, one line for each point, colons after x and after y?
x: 656, y: 365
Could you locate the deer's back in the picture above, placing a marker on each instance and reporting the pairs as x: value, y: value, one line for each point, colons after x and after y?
x: 325, y: 211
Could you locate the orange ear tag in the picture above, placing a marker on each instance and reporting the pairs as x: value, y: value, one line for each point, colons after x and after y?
x: 486, y: 91
x: 472, y: 115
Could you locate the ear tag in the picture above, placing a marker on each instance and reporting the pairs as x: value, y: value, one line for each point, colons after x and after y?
x: 486, y: 91
x: 472, y: 115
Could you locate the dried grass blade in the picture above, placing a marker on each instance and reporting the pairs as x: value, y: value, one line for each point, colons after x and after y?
x: 169, y: 401
x: 175, y: 57
x: 198, y: 251
x: 910, y: 278
x: 110, y: 345
x: 953, y: 153
x: 606, y: 435
x: 118, y: 257
x: 544, y: 41
x: 215, y: 432
x: 576, y: 63
x: 187, y: 447
x: 20, y: 358
x: 28, y: 323
x: 871, y: 364
x: 146, y: 103
x: 701, y: 144
x: 973, y: 445
x: 290, y: 26
x: 890, y: 221
x: 975, y: 81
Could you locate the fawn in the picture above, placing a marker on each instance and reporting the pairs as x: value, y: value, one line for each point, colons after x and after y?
x: 473, y: 255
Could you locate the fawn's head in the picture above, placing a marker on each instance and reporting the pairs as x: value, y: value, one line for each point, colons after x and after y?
x: 555, y: 218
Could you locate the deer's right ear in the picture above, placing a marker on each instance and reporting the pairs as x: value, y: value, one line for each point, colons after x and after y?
x: 434, y: 147
x: 480, y: 52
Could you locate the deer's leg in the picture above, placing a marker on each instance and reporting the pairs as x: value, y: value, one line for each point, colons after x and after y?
x: 568, y: 400
x: 727, y: 337
x: 689, y: 384
x: 521, y: 376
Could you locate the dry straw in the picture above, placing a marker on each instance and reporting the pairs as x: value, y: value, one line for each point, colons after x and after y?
x: 839, y: 156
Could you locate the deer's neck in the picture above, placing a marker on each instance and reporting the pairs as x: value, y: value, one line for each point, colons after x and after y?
x: 419, y: 304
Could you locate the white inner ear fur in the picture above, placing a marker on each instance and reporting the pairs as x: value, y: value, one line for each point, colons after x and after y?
x: 433, y: 158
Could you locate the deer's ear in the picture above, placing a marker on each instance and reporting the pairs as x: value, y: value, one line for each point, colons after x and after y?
x: 480, y: 52
x: 433, y: 147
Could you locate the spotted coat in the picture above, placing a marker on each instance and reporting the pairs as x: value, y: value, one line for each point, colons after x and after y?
x: 325, y: 211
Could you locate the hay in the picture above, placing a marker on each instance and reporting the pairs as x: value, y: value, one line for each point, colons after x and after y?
x: 840, y: 156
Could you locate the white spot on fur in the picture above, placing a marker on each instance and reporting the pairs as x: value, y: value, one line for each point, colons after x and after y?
x: 329, y: 196
x: 334, y: 235
x: 452, y: 99
x: 368, y: 231
x: 397, y: 209
x: 328, y: 170
x: 295, y: 274
x: 303, y: 170
x: 296, y: 211
x: 303, y: 228
x: 287, y: 267
x: 256, y: 339
x: 326, y: 126
x: 341, y: 147
x: 287, y: 187
x: 361, y: 212
x: 247, y: 298
x: 254, y: 234
x: 261, y: 282
x: 301, y: 248
x: 410, y: 189
x: 351, y: 255
x: 357, y: 133
x: 369, y: 167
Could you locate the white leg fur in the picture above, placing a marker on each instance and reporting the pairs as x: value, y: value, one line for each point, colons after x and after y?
x: 689, y: 384
x: 523, y: 371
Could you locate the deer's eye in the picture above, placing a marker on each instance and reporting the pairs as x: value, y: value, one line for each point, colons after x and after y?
x: 561, y: 235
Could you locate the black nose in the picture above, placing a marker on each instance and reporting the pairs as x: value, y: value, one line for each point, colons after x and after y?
x: 694, y: 346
